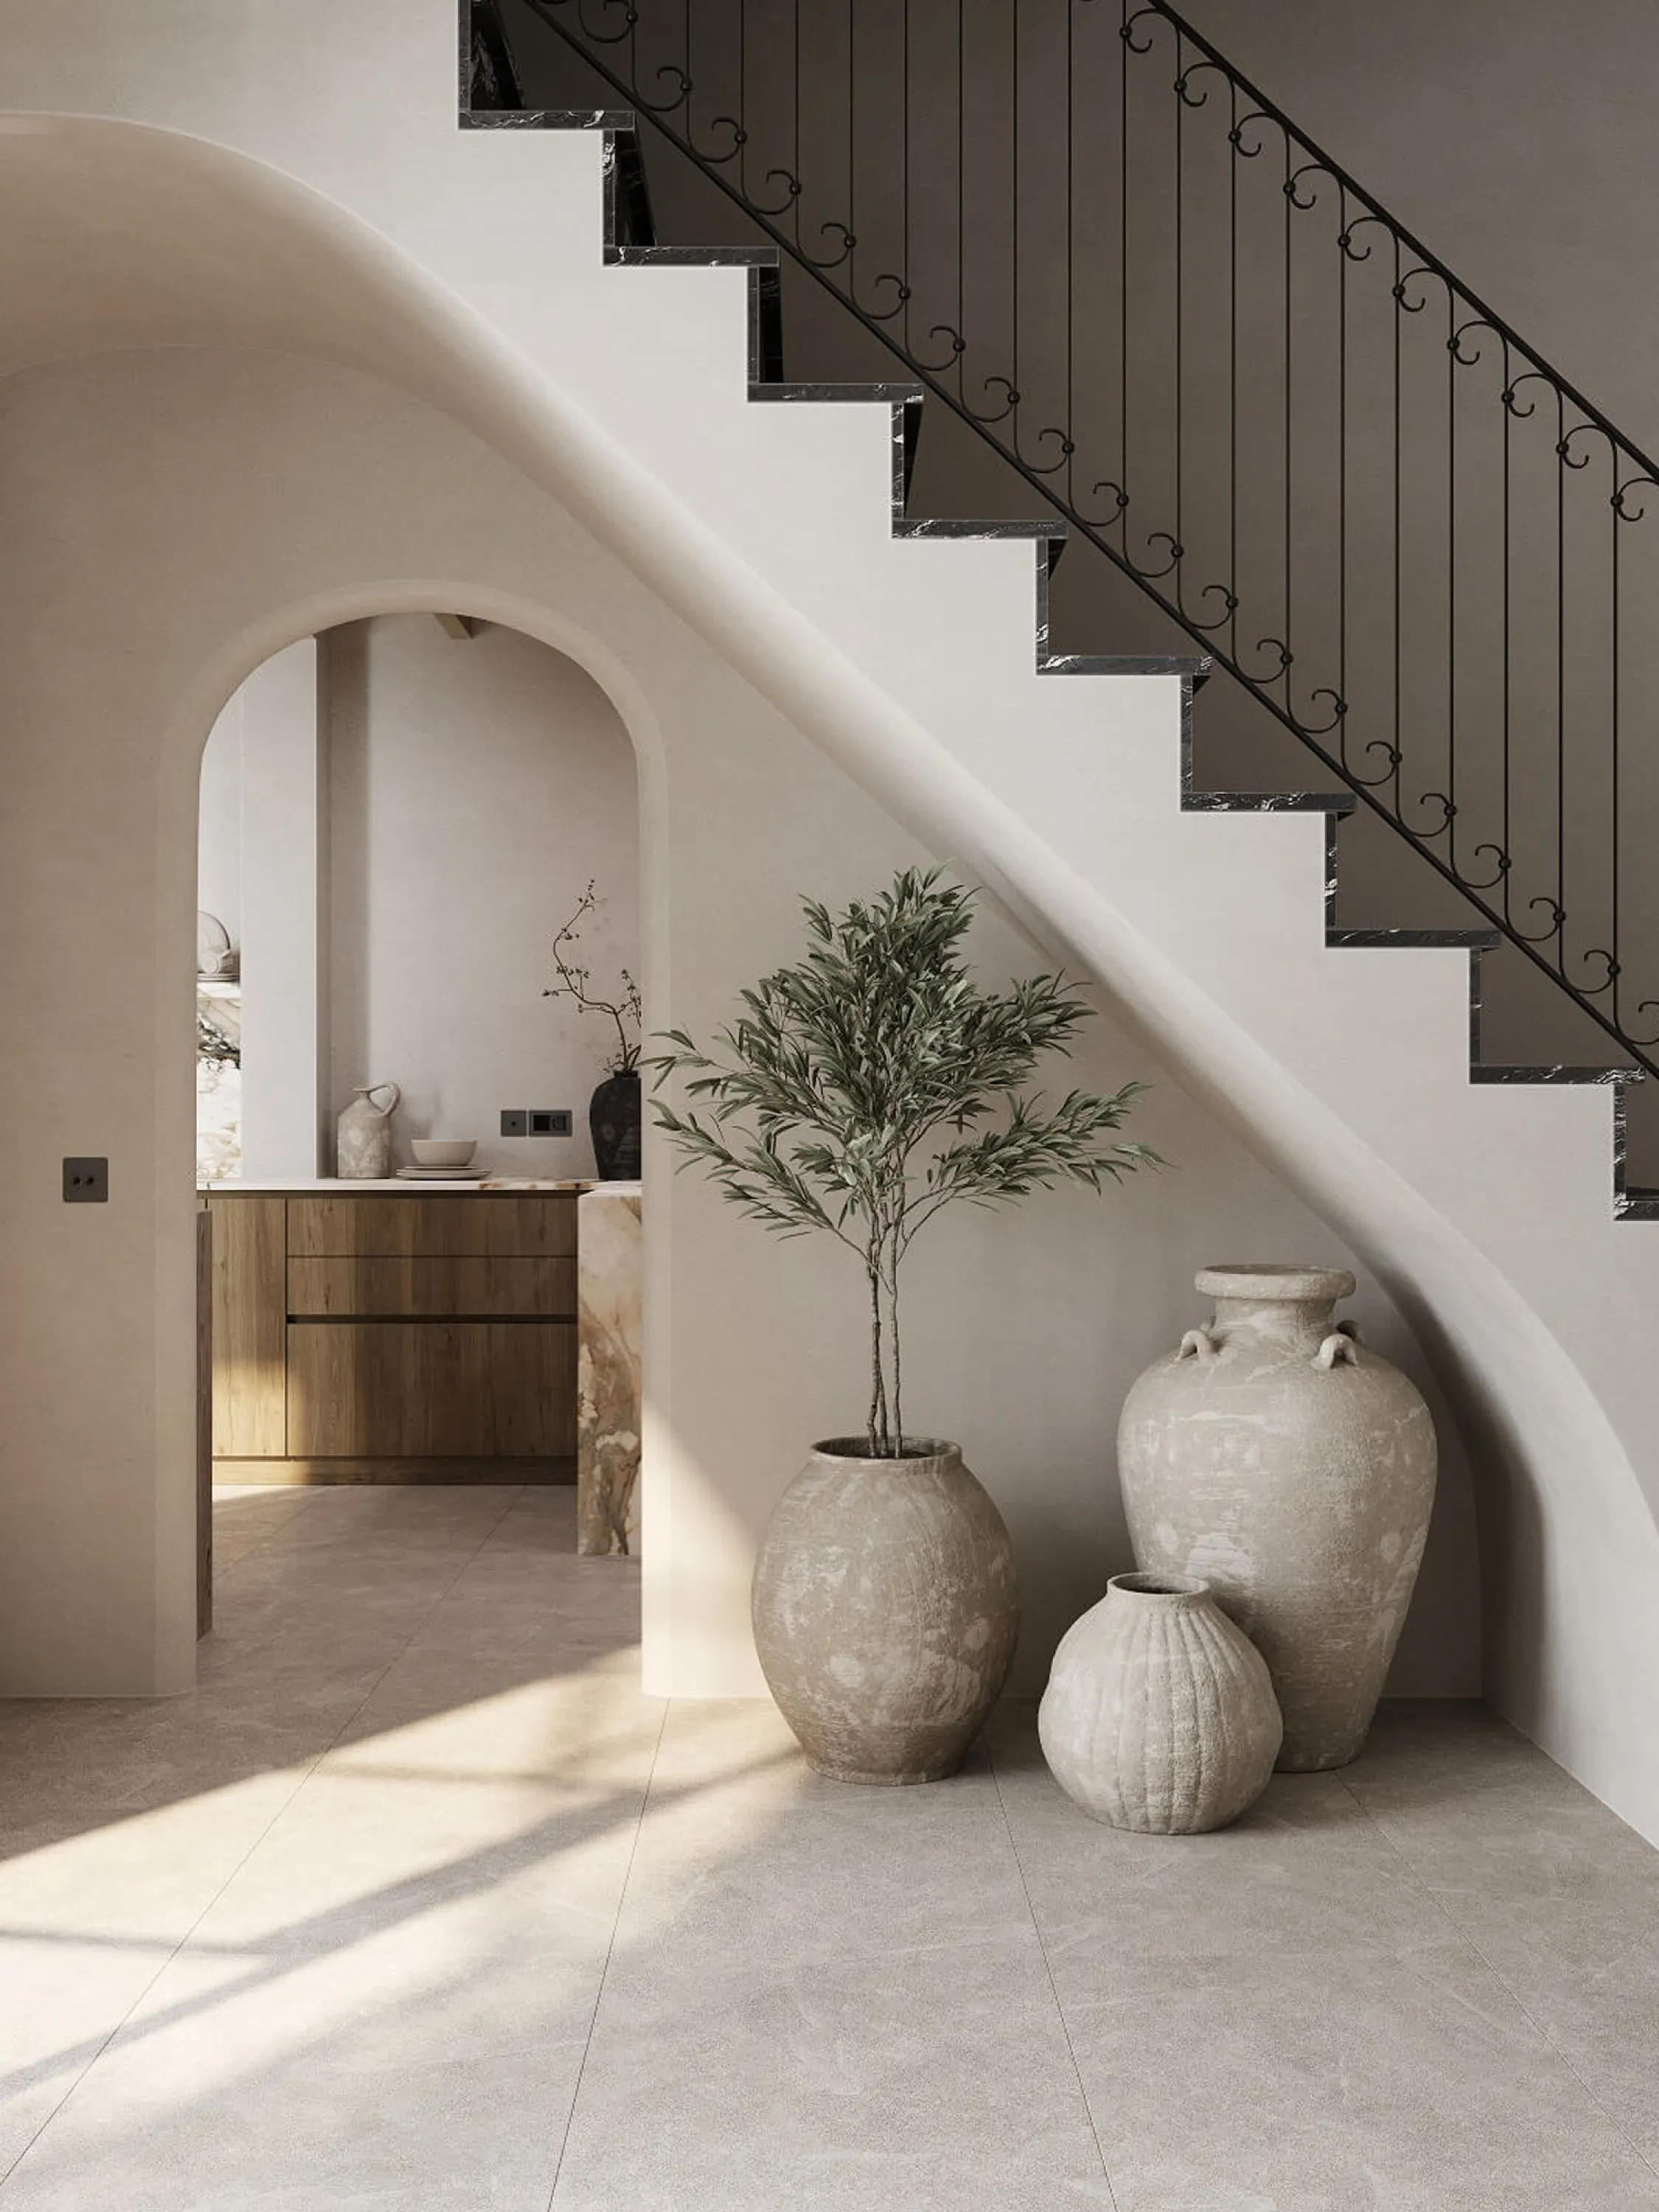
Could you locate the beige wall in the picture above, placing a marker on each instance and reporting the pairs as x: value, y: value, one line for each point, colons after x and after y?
x: 1514, y: 136
x: 1024, y: 1331
x: 474, y: 787
x: 407, y: 820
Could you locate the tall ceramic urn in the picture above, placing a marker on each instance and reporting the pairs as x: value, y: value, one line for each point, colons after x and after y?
x: 1277, y: 1459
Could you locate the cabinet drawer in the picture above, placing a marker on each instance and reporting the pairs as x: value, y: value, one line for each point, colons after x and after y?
x: 477, y: 1225
x: 483, y: 1290
x: 431, y: 1389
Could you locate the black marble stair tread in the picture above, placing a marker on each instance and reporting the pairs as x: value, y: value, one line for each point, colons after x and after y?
x: 894, y: 394
x: 1467, y: 941
x: 1268, y: 802
x: 1487, y: 1072
x: 1197, y: 666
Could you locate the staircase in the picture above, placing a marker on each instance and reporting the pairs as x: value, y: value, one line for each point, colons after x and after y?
x: 1510, y: 1243
x: 1346, y: 491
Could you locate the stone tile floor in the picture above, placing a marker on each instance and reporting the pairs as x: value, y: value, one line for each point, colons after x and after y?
x: 418, y: 1905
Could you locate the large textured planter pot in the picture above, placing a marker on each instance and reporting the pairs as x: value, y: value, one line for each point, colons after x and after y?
x: 1276, y: 1459
x: 886, y: 1611
x: 1159, y: 1715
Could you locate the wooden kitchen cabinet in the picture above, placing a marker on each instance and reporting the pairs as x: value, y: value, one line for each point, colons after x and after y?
x: 383, y: 1338
x: 250, y: 1328
x: 429, y: 1289
x: 427, y: 1389
x: 480, y: 1224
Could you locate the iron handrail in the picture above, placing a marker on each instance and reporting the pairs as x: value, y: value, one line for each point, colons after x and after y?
x: 1534, y: 809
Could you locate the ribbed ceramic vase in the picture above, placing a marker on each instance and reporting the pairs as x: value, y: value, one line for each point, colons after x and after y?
x: 886, y: 1611
x: 1276, y: 1458
x: 1159, y: 1715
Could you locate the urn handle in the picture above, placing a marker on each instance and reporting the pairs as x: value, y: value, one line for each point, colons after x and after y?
x: 1340, y: 1349
x: 1199, y: 1344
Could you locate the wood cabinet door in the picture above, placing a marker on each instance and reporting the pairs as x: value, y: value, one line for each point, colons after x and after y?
x: 481, y: 1224
x: 431, y: 1389
x: 433, y: 1289
x: 250, y: 1327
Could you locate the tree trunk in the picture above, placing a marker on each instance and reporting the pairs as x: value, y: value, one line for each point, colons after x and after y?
x: 877, y: 1385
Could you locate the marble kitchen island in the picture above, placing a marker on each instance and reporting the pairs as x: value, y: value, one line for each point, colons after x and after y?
x: 608, y: 1386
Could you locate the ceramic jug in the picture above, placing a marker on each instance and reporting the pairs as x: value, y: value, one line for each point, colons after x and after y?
x: 363, y: 1146
x: 1292, y: 1469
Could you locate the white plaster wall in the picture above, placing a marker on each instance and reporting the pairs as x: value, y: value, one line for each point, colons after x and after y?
x: 219, y: 841
x: 282, y: 891
x: 258, y: 871
x: 1024, y: 1330
x: 476, y: 786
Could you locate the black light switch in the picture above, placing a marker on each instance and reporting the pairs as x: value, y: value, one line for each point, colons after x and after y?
x: 550, y: 1121
x: 86, y: 1182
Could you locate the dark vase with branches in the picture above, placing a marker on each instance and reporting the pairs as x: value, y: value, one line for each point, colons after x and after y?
x: 857, y: 1095
x: 613, y: 1111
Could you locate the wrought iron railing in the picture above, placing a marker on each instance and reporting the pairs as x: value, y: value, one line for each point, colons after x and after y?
x: 1231, y: 370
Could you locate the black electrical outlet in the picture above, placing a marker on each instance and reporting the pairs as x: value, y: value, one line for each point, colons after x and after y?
x: 515, y: 1122
x: 86, y: 1182
x: 550, y: 1121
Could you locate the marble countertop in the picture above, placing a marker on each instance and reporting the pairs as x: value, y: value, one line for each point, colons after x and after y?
x: 430, y: 1185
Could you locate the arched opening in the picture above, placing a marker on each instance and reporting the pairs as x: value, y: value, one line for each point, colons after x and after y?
x: 418, y: 948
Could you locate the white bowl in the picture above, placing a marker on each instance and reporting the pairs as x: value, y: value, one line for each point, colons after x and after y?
x: 443, y: 1152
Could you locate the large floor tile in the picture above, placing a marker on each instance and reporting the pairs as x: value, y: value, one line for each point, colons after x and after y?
x: 91, y: 1912
x: 408, y: 1816
x: 1559, y: 1896
x: 417, y: 1902
x: 931, y: 2075
x: 823, y: 1996
x: 1305, y: 1869
x: 387, y: 2004
x: 427, y: 2066
x: 1341, y: 2082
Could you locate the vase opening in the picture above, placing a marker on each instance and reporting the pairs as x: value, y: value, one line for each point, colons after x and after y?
x: 911, y: 1449
x: 1155, y: 1585
x: 1285, y: 1281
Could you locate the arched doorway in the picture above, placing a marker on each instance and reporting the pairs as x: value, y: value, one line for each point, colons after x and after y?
x: 404, y: 820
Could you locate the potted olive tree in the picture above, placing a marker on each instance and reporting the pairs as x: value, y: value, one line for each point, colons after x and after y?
x: 857, y: 1095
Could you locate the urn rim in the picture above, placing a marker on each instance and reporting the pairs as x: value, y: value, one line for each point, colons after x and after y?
x: 917, y: 1452
x: 1147, y: 1583
x: 1287, y: 1282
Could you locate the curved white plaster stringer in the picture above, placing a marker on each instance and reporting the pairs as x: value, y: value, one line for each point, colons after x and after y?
x: 1487, y: 1212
